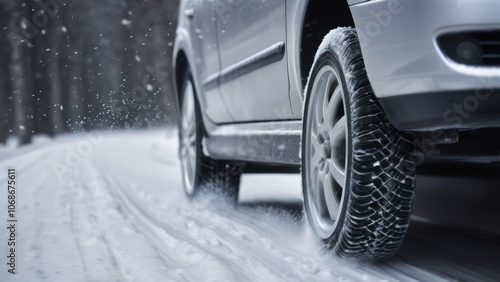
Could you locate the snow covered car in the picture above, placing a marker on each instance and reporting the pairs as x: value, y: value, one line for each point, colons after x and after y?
x: 356, y: 93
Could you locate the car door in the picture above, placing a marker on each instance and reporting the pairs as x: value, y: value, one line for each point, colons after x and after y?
x: 201, y: 19
x: 253, y: 77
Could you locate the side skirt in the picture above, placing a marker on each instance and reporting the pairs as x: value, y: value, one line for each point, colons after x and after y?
x: 262, y: 142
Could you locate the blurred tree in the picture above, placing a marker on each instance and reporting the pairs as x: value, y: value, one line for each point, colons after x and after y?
x: 73, y: 52
x: 53, y: 76
x: 85, y: 65
x: 4, y: 56
x: 40, y: 93
x: 20, y: 31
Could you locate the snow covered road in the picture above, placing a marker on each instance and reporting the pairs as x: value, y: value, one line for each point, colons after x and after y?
x: 111, y: 208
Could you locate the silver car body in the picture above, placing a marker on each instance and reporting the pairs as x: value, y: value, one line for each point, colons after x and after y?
x: 399, y: 41
x: 245, y: 57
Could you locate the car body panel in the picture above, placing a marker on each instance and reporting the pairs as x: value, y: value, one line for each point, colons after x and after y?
x: 261, y: 142
x: 296, y: 11
x: 247, y: 32
x: 196, y: 36
x: 401, y: 57
x: 398, y: 39
x: 408, y: 69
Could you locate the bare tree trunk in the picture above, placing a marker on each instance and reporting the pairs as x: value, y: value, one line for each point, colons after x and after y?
x: 3, y: 100
x: 20, y: 73
x: 74, y: 62
x: 171, y: 25
x: 40, y: 96
x: 4, y: 55
x: 159, y: 18
x: 3, y: 79
x: 75, y: 100
x: 54, y: 79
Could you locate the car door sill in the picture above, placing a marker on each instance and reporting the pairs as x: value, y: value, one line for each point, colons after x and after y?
x: 265, y: 142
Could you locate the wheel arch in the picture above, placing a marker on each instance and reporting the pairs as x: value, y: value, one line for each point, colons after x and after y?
x: 319, y: 18
x: 180, y: 67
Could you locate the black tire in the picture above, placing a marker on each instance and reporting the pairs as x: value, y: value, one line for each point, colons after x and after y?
x: 374, y: 205
x: 209, y: 175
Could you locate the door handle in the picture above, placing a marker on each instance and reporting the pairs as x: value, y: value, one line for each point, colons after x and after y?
x: 189, y: 13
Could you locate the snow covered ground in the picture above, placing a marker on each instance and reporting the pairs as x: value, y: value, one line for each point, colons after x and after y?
x: 94, y: 207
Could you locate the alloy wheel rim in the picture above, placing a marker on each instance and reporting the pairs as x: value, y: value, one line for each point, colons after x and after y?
x: 327, y: 151
x: 188, y: 150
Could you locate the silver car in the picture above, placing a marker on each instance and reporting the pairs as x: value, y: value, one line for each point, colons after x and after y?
x: 355, y: 93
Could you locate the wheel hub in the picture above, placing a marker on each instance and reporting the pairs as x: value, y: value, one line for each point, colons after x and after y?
x: 188, y: 149
x: 325, y: 151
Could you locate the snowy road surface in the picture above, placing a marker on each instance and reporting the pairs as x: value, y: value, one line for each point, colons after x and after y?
x: 112, y: 209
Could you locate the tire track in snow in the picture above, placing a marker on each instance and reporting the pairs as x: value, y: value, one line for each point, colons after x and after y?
x: 84, y: 230
x: 170, y: 240
x: 74, y: 231
x: 95, y: 212
x: 152, y: 233
x: 256, y: 256
x: 249, y: 237
x: 101, y: 216
x: 108, y: 207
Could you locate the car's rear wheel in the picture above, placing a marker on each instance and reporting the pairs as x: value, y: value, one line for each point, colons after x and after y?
x: 200, y: 172
x: 358, y: 172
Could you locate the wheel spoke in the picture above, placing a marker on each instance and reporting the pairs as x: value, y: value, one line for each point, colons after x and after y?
x: 318, y: 195
x: 314, y: 139
x: 326, y: 96
x: 339, y: 132
x: 191, y: 116
x: 192, y: 140
x: 189, y: 164
x: 316, y: 159
x: 316, y: 149
x: 337, y: 173
x: 185, y: 123
x: 183, y: 151
x: 319, y: 106
x: 314, y: 173
x: 190, y: 119
x: 331, y: 202
x: 191, y: 131
x: 191, y: 151
x: 313, y: 169
x: 332, y: 107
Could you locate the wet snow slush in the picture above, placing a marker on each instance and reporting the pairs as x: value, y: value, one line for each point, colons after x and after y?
x: 112, y: 208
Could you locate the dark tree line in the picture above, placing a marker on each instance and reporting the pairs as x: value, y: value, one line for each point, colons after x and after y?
x: 68, y: 65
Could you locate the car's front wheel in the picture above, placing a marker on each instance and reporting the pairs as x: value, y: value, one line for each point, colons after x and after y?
x: 358, y: 171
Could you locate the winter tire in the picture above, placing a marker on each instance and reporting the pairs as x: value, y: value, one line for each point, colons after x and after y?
x: 200, y: 172
x: 358, y: 172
